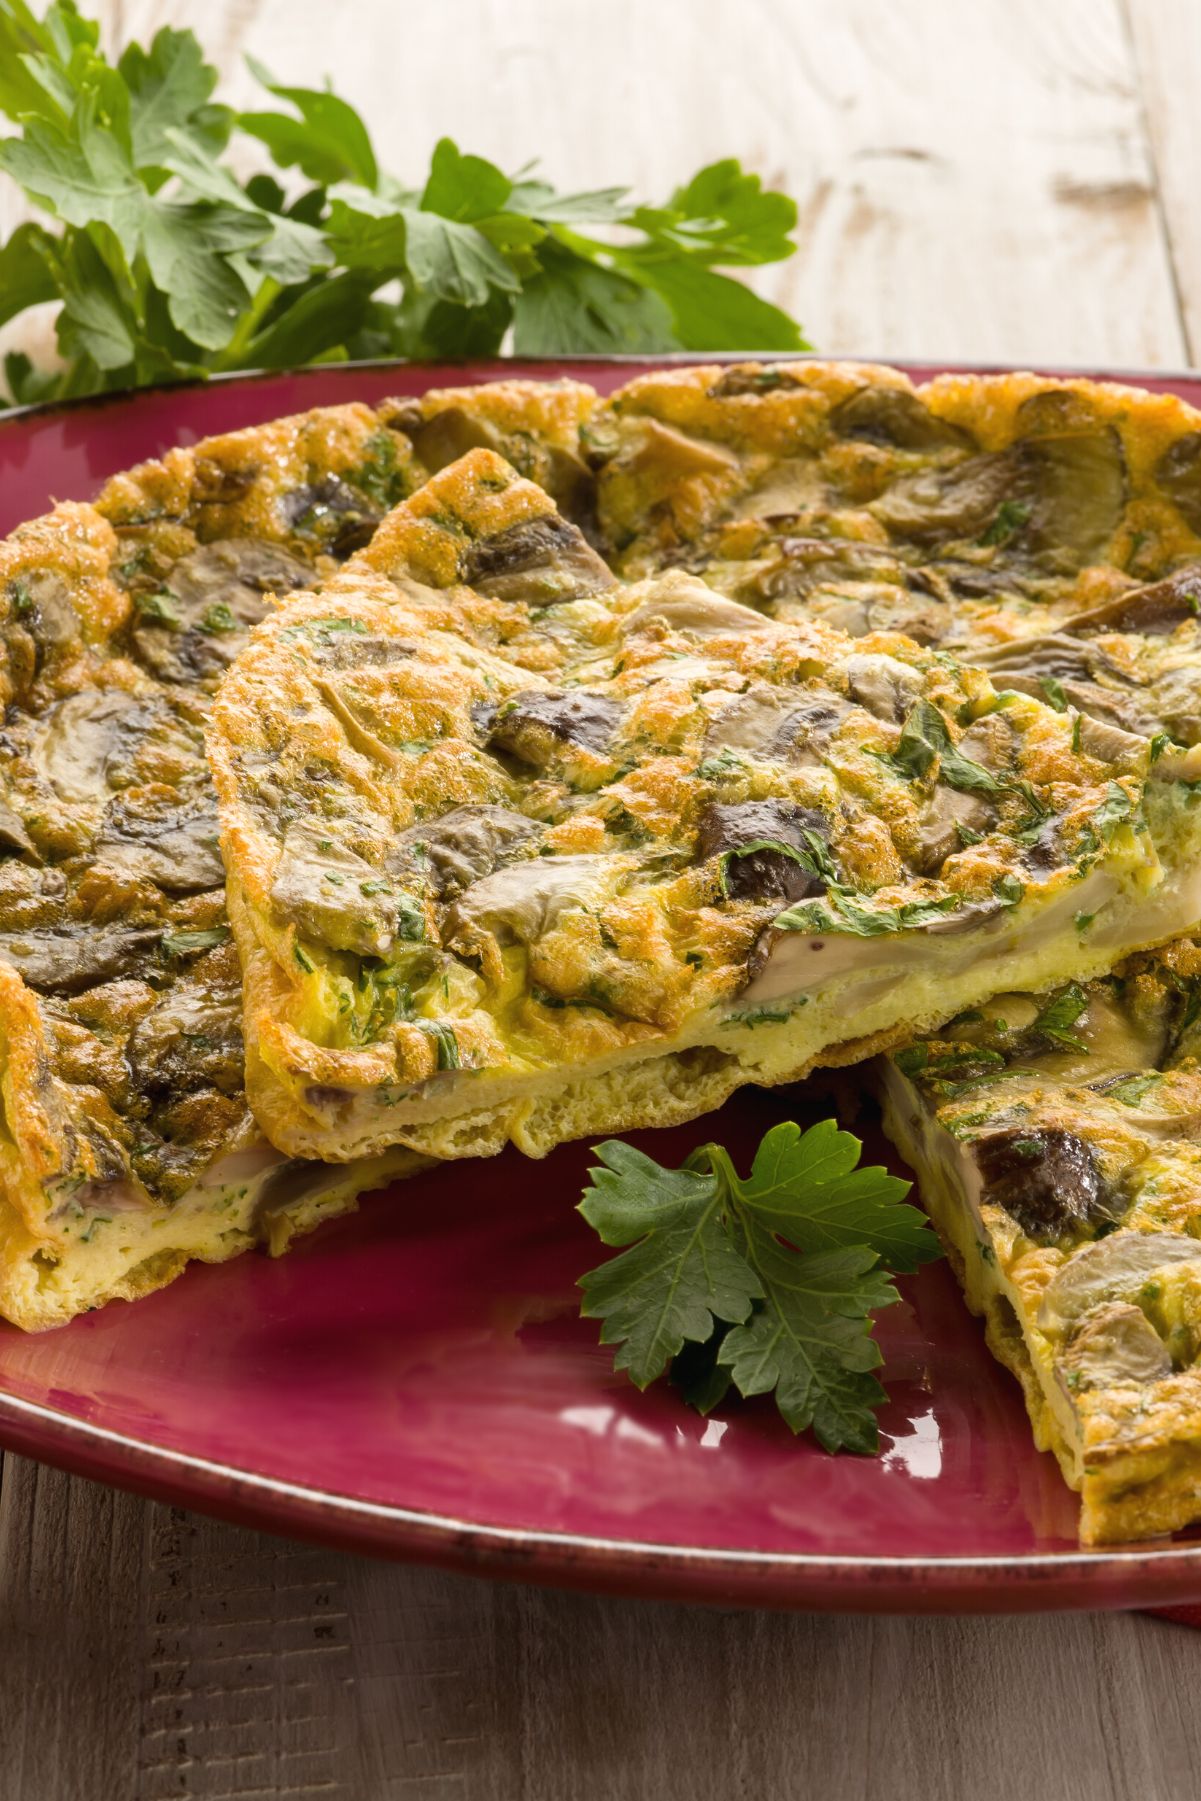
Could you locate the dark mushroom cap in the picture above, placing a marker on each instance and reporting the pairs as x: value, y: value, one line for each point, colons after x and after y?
x: 540, y: 561
x: 756, y: 837
x: 1045, y: 1178
x: 895, y: 417
x: 1178, y: 473
x: 532, y: 725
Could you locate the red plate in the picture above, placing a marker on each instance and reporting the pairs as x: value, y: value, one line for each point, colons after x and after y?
x: 416, y: 1381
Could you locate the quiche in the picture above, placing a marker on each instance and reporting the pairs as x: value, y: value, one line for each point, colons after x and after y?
x: 1055, y: 1141
x: 1047, y: 530
x: 126, y: 1143
x: 517, y: 853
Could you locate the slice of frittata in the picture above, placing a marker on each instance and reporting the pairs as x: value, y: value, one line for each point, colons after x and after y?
x: 532, y: 863
x: 126, y: 1143
x: 1055, y: 1141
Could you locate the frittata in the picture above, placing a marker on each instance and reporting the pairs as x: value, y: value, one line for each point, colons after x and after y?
x: 126, y: 1143
x: 547, y: 858
x: 1055, y: 1142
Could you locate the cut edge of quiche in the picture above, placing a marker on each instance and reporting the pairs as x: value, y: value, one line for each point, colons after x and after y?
x: 1054, y: 1142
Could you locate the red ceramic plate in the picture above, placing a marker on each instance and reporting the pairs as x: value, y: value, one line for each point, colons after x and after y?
x: 416, y: 1381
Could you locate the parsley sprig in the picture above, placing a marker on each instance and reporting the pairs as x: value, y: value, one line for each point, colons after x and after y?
x: 767, y: 1282
x: 168, y: 266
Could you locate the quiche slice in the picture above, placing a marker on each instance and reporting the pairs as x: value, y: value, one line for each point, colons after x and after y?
x: 1046, y: 529
x: 1055, y: 1140
x: 126, y: 1142
x: 533, y: 864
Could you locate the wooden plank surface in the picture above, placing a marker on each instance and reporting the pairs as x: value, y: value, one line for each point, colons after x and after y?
x: 151, y: 1654
x: 1008, y: 180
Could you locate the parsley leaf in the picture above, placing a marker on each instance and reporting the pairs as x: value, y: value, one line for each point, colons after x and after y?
x: 925, y: 738
x: 843, y: 911
x: 768, y: 1282
x: 574, y: 304
x: 168, y: 264
x: 1060, y: 1015
x: 190, y: 944
x: 328, y: 142
x: 1131, y: 1089
x: 682, y: 1272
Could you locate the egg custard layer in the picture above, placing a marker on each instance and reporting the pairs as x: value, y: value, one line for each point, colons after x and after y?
x: 1055, y: 1139
x: 514, y: 854
x: 126, y: 1142
x: 1045, y: 529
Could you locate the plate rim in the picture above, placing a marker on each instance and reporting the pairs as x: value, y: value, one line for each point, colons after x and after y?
x: 649, y: 360
x: 1081, y: 1579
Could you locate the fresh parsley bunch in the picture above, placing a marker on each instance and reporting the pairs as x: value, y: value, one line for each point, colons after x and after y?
x: 169, y: 267
x: 768, y: 1282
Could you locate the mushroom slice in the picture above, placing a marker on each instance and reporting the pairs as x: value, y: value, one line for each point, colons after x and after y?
x: 945, y: 826
x: 896, y: 418
x: 463, y: 846
x: 333, y: 894
x: 1049, y: 656
x: 332, y: 512
x: 78, y: 957
x: 771, y: 723
x: 763, y: 843
x: 1045, y: 1178
x: 752, y: 378
x: 1075, y: 488
x: 1110, y: 744
x: 14, y: 839
x: 42, y: 606
x: 690, y: 607
x: 1178, y: 473
x: 883, y: 684
x: 520, y: 903
x: 540, y: 561
x: 175, y: 845
x: 1156, y: 607
x: 1114, y: 1346
x: 1177, y: 701
x: 78, y: 741
x: 1114, y: 1268
x: 535, y: 725
x: 450, y: 434
x: 942, y: 503
x: 1064, y: 496
x: 191, y: 1040
x: 192, y: 629
x: 789, y: 489
x: 794, y: 566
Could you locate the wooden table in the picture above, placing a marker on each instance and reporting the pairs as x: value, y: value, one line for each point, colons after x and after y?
x: 1010, y: 180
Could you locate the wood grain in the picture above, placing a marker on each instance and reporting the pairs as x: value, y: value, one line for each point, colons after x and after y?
x: 975, y: 181
x: 1166, y: 41
x: 1011, y: 180
x: 151, y: 1654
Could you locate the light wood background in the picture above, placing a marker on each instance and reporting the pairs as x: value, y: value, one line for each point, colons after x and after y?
x: 1008, y: 180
